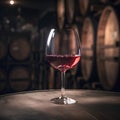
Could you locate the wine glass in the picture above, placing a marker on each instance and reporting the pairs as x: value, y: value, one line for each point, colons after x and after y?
x: 63, y: 53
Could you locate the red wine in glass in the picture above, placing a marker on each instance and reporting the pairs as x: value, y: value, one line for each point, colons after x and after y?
x: 63, y: 62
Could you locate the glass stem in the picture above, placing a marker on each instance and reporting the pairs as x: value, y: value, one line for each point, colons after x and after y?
x: 62, y: 84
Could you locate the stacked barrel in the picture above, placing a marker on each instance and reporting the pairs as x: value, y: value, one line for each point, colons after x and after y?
x: 16, y: 61
x: 100, y: 45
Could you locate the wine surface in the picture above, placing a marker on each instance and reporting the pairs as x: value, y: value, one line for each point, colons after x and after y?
x: 63, y: 62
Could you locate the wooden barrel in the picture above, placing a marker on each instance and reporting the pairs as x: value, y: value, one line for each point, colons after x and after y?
x: 20, y: 49
x: 3, y: 80
x: 108, y: 49
x: 61, y: 13
x: 3, y: 50
x: 69, y: 10
x: 19, y: 79
x: 88, y: 44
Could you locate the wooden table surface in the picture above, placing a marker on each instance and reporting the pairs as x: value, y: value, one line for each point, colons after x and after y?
x: 36, y: 105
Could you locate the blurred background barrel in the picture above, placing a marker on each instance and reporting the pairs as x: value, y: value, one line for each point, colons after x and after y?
x: 88, y: 45
x: 20, y: 46
x: 108, y: 49
x: 19, y: 49
x: 19, y: 78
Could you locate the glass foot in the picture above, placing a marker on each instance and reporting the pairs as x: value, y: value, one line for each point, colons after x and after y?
x: 63, y: 100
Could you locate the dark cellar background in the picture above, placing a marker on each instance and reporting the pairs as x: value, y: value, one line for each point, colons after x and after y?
x: 24, y: 28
